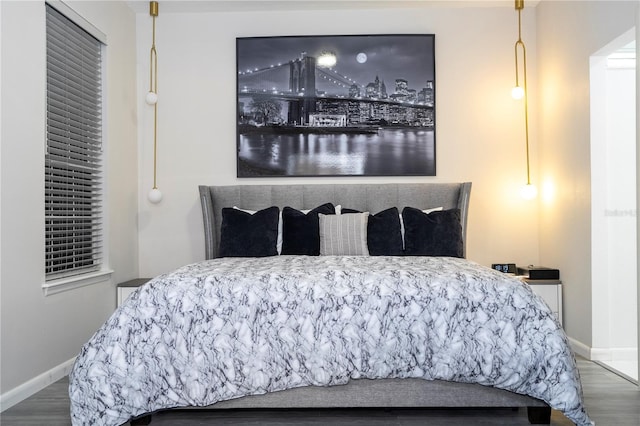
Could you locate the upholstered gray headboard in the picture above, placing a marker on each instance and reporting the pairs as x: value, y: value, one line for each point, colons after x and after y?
x: 364, y: 197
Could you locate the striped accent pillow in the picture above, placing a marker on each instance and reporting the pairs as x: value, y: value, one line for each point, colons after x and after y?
x: 343, y: 235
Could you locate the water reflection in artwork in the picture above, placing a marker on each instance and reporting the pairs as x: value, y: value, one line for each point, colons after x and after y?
x: 389, y: 152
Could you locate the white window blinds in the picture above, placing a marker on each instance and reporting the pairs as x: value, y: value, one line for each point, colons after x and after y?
x: 73, y: 159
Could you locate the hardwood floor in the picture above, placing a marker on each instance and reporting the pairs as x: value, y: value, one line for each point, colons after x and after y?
x: 610, y: 401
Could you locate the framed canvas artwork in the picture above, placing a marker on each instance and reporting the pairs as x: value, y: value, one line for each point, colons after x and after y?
x: 353, y: 105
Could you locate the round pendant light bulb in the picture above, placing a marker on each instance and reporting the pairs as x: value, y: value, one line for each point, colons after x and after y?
x: 151, y: 98
x: 529, y: 192
x: 155, y: 196
x: 517, y: 92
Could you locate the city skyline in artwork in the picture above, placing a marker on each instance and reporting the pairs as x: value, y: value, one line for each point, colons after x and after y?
x: 360, y: 60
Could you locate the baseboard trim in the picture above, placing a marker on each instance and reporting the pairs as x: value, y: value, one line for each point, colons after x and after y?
x: 25, y: 390
x: 614, y: 354
x: 580, y: 348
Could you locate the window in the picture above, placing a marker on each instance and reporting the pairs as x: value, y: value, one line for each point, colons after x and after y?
x: 73, y: 158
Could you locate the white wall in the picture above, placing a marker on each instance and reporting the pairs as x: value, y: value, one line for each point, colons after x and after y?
x: 41, y: 333
x: 613, y: 216
x: 621, y: 208
x: 569, y: 32
x: 613, y: 222
x: 479, y: 136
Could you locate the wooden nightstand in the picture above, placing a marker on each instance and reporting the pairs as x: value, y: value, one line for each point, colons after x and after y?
x: 550, y: 291
x: 126, y: 288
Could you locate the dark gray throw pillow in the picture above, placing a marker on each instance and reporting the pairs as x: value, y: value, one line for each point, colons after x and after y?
x: 244, y: 234
x: 438, y: 233
x: 300, y: 231
x: 383, y: 233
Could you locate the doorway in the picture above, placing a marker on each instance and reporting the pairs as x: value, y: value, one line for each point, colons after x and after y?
x: 613, y: 207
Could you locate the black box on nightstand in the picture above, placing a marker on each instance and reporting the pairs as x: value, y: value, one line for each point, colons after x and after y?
x: 539, y: 273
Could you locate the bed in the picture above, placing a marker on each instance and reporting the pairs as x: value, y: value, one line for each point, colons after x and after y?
x: 267, y: 329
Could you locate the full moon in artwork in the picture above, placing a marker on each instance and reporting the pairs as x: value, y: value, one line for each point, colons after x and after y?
x: 361, y: 57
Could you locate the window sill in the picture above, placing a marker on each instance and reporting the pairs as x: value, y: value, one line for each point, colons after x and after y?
x: 65, y: 284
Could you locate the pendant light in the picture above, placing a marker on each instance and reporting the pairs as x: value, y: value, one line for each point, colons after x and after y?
x: 529, y: 190
x: 154, y: 196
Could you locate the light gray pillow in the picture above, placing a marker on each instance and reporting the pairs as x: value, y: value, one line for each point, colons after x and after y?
x: 344, y: 234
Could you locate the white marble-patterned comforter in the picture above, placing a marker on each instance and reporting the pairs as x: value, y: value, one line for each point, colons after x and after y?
x: 230, y: 327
